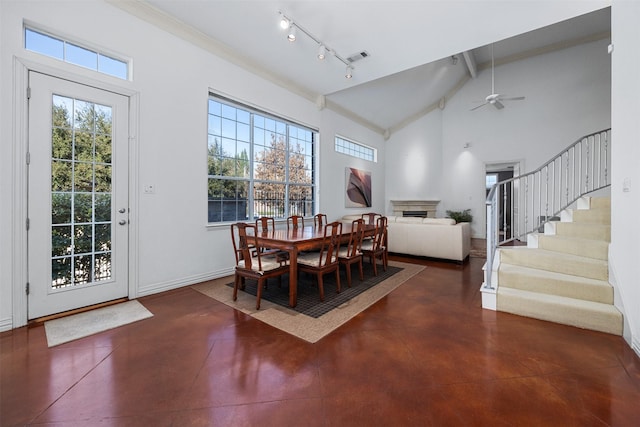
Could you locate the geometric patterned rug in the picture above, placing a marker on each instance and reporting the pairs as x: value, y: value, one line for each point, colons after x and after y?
x: 303, y: 326
x: 308, y: 298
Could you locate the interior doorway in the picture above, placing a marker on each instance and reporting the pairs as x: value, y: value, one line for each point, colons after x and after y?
x: 497, y: 172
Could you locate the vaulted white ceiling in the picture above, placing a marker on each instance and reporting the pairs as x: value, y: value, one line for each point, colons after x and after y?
x: 409, y: 68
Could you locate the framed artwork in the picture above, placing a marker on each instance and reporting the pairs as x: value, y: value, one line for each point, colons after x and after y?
x: 358, y: 191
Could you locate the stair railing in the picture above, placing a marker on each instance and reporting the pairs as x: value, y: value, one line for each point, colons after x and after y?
x: 522, y: 205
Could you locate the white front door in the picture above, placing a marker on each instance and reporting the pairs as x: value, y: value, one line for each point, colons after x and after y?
x: 78, y: 208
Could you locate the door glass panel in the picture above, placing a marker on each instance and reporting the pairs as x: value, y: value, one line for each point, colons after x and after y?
x: 81, y: 175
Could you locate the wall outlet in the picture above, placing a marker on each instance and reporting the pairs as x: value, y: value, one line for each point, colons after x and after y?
x: 149, y: 189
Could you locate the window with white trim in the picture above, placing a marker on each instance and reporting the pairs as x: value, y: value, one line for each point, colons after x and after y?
x: 258, y: 164
x: 64, y: 50
x: 355, y: 149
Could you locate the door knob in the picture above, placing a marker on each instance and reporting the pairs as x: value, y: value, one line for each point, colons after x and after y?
x: 122, y: 210
x: 122, y: 222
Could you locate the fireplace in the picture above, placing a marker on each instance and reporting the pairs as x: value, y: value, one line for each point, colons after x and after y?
x: 415, y: 214
x: 419, y: 208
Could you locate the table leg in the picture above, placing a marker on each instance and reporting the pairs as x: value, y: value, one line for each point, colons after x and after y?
x: 293, y: 277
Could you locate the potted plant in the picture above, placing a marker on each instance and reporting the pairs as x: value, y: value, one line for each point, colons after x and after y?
x: 461, y: 216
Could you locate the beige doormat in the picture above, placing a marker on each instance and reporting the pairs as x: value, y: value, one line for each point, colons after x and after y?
x: 307, y: 328
x: 65, y: 329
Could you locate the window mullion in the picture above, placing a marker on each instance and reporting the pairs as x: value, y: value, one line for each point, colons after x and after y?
x: 250, y: 196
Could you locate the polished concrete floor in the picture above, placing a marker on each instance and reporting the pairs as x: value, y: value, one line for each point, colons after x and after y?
x: 425, y: 355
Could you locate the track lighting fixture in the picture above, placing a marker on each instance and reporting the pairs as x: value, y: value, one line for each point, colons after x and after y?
x: 286, y: 23
x: 322, y: 51
x: 291, y: 36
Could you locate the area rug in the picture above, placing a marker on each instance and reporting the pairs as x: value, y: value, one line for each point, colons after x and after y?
x: 304, y: 326
x: 65, y: 329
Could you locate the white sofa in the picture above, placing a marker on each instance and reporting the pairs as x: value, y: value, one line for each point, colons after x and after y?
x: 429, y: 237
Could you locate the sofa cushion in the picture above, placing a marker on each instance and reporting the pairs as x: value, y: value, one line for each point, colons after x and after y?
x: 439, y: 221
x: 409, y: 220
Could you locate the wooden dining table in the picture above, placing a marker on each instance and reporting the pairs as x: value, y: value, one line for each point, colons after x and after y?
x: 297, y: 240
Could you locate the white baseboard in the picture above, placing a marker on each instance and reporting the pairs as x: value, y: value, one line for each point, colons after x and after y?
x: 155, y: 288
x: 6, y: 324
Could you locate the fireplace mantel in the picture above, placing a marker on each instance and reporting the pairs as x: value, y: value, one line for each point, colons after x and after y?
x: 428, y: 206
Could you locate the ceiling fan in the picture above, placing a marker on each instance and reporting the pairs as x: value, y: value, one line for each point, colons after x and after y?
x: 496, y: 99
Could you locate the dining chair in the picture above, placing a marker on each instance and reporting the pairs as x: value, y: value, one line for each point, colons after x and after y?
x: 325, y: 260
x: 319, y: 220
x: 377, y: 247
x: 370, y: 218
x: 295, y: 221
x: 266, y: 224
x: 353, y: 252
x: 259, y: 267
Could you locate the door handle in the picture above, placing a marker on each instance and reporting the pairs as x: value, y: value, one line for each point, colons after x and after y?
x: 122, y: 222
x: 122, y: 210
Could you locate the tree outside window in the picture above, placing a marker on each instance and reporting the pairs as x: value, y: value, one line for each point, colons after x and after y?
x: 257, y: 165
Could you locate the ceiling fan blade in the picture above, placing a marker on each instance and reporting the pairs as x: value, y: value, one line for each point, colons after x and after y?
x: 498, y: 105
x: 513, y: 98
x: 479, y: 106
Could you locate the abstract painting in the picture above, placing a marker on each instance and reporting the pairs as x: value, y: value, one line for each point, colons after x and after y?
x: 358, y: 188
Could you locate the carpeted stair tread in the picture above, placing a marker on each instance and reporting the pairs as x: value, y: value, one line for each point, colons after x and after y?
x: 596, y: 249
x: 600, y: 202
x: 557, y: 262
x: 587, y: 216
x: 581, y: 230
x: 541, y: 281
x: 567, y: 311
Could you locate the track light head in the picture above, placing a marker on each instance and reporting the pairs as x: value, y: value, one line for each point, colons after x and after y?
x: 349, y: 72
x: 284, y: 23
x: 322, y: 52
x: 291, y: 34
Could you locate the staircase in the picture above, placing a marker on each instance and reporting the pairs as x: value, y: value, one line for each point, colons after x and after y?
x: 562, y: 275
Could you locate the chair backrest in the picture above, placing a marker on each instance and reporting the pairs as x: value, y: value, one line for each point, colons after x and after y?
x: 265, y: 223
x: 355, y: 239
x: 243, y: 236
x: 319, y: 220
x: 295, y: 221
x: 330, y: 244
x: 370, y: 218
x: 380, y: 236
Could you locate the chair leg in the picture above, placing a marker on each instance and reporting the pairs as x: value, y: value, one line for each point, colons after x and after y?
x: 348, y: 268
x: 338, y: 278
x: 259, y: 293
x: 236, y: 283
x: 320, y: 287
x: 375, y: 265
x: 360, y: 267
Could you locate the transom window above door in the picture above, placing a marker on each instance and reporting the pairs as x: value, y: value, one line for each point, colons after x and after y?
x: 73, y: 53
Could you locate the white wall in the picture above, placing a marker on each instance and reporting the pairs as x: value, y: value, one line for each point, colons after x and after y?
x: 624, y: 256
x: 567, y: 96
x: 414, y: 161
x: 332, y: 178
x: 172, y: 243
